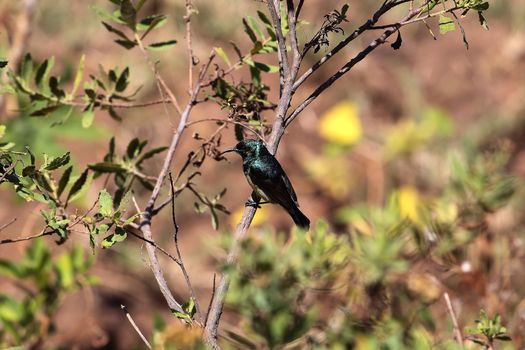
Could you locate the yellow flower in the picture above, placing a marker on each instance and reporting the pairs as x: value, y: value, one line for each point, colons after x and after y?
x: 261, y: 216
x: 341, y: 124
x: 409, y: 202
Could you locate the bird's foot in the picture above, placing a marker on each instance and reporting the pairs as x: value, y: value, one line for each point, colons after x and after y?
x: 252, y: 203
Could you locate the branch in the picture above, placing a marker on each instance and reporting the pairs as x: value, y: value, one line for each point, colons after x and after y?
x: 350, y: 64
x: 228, y: 121
x: 217, y: 302
x: 7, y: 224
x: 28, y: 238
x: 135, y: 327
x: 145, y: 225
x: 364, y: 27
x: 179, y: 255
x: 457, y: 331
x: 281, y: 43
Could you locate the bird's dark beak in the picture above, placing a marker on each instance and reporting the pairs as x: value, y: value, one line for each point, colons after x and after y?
x: 229, y: 150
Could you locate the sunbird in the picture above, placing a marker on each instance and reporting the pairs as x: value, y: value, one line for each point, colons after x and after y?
x: 268, y: 179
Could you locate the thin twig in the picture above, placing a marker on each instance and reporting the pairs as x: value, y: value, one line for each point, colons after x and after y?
x: 6, y: 171
x: 364, y: 27
x: 147, y: 215
x: 162, y: 250
x: 179, y: 255
x: 281, y: 43
x: 187, y: 19
x: 28, y: 238
x: 252, y: 130
x: 457, y: 331
x: 135, y: 327
x: 158, y: 77
x: 349, y: 65
x: 7, y: 224
x: 211, y: 299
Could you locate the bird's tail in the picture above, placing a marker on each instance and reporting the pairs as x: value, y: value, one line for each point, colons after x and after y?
x: 299, y: 218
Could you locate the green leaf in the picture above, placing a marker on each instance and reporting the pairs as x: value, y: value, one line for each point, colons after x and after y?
x: 161, y: 45
x: 42, y: 72
x: 222, y: 55
x: 107, y: 167
x: 123, y: 205
x: 237, y: 50
x: 133, y: 146
x: 151, y: 153
x: 2, y: 130
x: 88, y: 116
x: 64, y: 180
x: 255, y: 26
x: 122, y: 82
x: 446, y: 24
x: 268, y: 68
x: 66, y: 273
x: 128, y: 13
x: 77, y: 186
x: 483, y: 21
x: 26, y: 69
x: 105, y: 204
x: 128, y: 44
x: 249, y: 31
x: 58, y: 162
x: 78, y: 75
x: 55, y: 90
x: 150, y: 23
x: 102, y: 13
x: 114, y: 30
x: 119, y: 236
x: 44, y: 111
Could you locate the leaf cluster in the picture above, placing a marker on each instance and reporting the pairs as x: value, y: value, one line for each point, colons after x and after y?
x: 24, y: 317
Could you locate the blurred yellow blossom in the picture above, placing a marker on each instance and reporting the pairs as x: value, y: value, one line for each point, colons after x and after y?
x: 341, y: 124
x: 261, y: 216
x: 409, y: 202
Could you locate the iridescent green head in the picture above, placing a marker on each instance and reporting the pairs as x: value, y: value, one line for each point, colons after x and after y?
x: 248, y: 148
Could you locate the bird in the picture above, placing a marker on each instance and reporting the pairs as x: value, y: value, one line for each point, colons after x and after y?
x: 268, y: 179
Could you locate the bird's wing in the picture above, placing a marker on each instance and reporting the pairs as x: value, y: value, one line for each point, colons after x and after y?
x: 275, y: 185
x: 289, y: 187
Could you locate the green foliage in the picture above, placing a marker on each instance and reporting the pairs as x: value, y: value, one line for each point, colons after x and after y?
x: 23, y: 317
x: 269, y: 287
x: 490, y: 328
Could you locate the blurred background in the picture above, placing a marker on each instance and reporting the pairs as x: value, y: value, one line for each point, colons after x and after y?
x: 386, y: 131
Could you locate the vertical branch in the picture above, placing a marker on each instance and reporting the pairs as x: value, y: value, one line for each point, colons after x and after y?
x: 179, y: 255
x: 217, y: 302
x: 187, y: 19
x: 457, y: 332
x: 145, y: 225
x: 273, y: 7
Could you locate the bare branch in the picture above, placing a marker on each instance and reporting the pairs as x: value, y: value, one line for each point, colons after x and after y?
x: 387, y: 6
x: 247, y: 127
x: 281, y: 43
x: 7, y: 224
x: 179, y: 255
x: 350, y: 64
x: 187, y: 19
x: 134, y: 325
x: 28, y: 238
x: 158, y: 78
x: 145, y: 225
x: 457, y: 331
